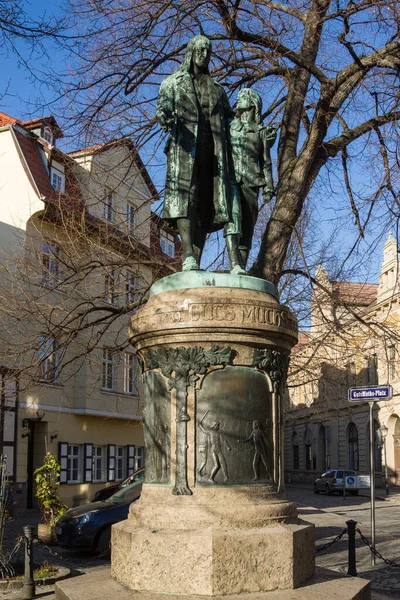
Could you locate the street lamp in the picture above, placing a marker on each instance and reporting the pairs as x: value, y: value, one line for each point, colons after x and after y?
x: 383, y: 431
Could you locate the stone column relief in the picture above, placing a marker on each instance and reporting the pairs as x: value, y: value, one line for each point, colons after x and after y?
x: 181, y: 366
x: 275, y: 365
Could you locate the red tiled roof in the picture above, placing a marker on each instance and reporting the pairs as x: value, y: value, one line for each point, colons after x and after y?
x: 88, y: 149
x: 49, y: 121
x: 30, y: 151
x: 7, y: 120
x: 361, y: 294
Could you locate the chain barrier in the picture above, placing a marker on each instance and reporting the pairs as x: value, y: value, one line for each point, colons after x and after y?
x: 374, y: 551
x: 329, y: 544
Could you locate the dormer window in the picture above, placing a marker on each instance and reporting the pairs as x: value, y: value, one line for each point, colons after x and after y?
x: 57, y: 180
x: 167, y: 243
x: 47, y: 135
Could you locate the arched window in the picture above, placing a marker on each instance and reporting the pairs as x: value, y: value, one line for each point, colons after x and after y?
x: 308, y: 449
x: 352, y: 438
x: 295, y: 452
x: 378, y: 448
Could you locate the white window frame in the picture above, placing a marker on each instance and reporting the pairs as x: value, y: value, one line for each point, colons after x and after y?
x: 48, y: 358
x: 139, y: 457
x: 51, y: 264
x: 99, y: 464
x: 131, y: 374
x: 74, y: 463
x: 110, y: 286
x: 108, y: 374
x: 48, y: 135
x: 109, y: 206
x: 131, y: 221
x: 167, y: 244
x: 131, y: 287
x: 57, y: 179
x: 120, y: 463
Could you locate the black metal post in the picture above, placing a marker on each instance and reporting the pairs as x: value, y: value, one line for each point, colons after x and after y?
x: 351, y: 532
x: 28, y: 590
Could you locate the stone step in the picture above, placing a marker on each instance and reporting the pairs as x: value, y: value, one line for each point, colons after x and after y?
x: 99, y: 585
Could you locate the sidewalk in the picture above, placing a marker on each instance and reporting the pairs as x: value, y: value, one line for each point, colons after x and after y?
x: 380, y: 493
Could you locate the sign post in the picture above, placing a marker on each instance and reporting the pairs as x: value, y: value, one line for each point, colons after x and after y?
x: 371, y: 395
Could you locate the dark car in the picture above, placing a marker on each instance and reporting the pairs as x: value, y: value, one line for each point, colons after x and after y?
x: 88, y: 527
x: 106, y: 492
x: 332, y: 481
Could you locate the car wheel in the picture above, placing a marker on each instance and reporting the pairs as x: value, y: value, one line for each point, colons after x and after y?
x: 315, y: 489
x: 103, y: 545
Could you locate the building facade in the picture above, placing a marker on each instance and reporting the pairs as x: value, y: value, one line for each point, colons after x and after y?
x: 353, y: 341
x: 79, y: 249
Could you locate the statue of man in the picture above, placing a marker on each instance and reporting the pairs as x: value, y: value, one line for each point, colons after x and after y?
x: 251, y: 143
x: 195, y: 110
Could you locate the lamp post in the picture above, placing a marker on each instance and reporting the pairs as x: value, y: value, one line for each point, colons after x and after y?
x: 383, y: 431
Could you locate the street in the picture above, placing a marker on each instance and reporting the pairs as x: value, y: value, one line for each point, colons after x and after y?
x: 330, y: 513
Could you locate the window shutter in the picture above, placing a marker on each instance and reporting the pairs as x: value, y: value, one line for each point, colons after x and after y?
x: 131, y: 459
x: 88, y: 464
x: 63, y: 460
x: 111, y: 462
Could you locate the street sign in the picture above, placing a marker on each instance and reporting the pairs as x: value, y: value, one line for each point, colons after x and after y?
x: 370, y: 394
x: 364, y: 481
x: 350, y: 481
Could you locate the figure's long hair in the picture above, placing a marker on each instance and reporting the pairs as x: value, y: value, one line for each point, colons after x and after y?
x: 256, y: 100
x: 187, y: 61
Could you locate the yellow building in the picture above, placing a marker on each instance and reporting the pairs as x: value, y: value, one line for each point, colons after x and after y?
x: 79, y: 248
x: 353, y: 341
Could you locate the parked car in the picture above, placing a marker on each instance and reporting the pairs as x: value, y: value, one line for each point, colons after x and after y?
x: 332, y: 481
x: 88, y: 527
x: 106, y: 492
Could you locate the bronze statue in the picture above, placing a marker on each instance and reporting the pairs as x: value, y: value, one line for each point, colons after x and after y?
x: 251, y: 143
x: 195, y: 110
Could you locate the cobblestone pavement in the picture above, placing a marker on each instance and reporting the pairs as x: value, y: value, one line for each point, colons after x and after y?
x: 328, y: 513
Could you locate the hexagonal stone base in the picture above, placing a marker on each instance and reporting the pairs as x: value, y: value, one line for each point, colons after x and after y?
x: 212, y: 561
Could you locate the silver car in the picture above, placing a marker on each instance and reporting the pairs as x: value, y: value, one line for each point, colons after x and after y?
x: 332, y: 481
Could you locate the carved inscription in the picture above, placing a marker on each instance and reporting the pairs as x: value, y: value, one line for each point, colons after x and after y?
x: 226, y: 313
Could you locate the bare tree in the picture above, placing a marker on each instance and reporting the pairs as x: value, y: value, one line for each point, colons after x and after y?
x: 327, y: 70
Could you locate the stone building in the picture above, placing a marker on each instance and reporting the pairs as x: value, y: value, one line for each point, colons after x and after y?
x: 79, y: 246
x: 353, y: 341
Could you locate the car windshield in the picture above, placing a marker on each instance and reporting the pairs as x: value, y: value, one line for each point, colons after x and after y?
x: 139, y: 476
x: 128, y: 493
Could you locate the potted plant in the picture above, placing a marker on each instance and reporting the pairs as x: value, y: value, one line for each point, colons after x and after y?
x: 47, y: 478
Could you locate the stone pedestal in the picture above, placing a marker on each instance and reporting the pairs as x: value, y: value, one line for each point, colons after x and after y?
x: 213, y: 518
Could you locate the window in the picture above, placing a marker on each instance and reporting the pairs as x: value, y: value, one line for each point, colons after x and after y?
x: 48, y: 358
x: 108, y: 369
x: 371, y: 370
x: 110, y: 286
x: 352, y: 436
x: 57, y: 180
x: 295, y: 450
x: 351, y: 374
x: 51, y: 270
x: 131, y: 287
x: 73, y: 464
x: 131, y: 217
x: 308, y: 449
x: 167, y: 244
x: 139, y: 458
x: 130, y: 374
x: 109, y: 206
x: 47, y: 135
x: 391, y: 357
x: 121, y: 463
x: 98, y: 463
